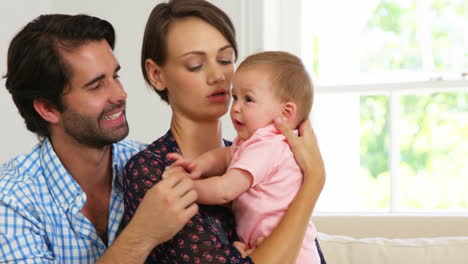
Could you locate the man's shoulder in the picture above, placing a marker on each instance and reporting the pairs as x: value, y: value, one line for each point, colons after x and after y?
x: 21, y: 168
x: 19, y: 178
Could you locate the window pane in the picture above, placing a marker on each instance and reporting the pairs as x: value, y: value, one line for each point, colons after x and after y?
x: 449, y: 32
x: 390, y: 39
x: 374, y: 149
x: 434, y: 151
x: 385, y: 40
x: 350, y: 187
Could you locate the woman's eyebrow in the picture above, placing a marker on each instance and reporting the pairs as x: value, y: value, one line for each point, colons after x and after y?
x: 202, y: 53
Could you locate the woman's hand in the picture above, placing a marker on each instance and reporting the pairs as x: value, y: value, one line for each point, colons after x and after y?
x: 305, y: 149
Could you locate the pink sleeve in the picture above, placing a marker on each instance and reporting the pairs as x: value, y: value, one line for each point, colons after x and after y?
x: 257, y: 157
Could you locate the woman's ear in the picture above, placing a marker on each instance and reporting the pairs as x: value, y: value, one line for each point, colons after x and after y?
x: 289, y: 111
x: 47, y: 111
x: 153, y: 71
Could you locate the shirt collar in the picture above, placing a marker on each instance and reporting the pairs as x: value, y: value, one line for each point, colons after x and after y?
x: 117, y: 171
x: 63, y: 187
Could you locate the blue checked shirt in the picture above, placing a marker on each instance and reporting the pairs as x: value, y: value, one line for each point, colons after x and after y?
x: 40, y: 208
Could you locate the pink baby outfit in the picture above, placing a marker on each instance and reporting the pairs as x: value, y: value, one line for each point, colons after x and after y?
x: 276, y: 180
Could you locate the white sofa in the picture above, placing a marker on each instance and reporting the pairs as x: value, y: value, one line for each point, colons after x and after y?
x: 393, y: 239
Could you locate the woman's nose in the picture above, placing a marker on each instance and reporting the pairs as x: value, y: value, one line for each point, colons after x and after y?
x: 216, y: 76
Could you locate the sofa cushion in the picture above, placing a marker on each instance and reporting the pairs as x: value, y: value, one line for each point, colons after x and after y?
x: 347, y: 250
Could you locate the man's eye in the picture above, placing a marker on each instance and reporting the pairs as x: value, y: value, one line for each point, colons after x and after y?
x: 96, y: 86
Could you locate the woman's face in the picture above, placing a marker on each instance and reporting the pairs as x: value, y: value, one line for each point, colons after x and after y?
x: 198, y: 70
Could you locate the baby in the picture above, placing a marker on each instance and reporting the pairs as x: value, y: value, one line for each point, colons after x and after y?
x: 258, y: 172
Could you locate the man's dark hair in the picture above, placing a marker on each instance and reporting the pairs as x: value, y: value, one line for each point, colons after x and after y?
x: 35, y: 68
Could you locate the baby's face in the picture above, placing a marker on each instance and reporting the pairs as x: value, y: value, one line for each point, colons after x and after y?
x: 254, y: 104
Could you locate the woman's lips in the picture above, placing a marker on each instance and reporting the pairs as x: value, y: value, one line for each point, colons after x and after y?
x: 218, y: 96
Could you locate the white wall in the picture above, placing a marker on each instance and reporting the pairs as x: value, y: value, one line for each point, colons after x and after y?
x: 148, y: 116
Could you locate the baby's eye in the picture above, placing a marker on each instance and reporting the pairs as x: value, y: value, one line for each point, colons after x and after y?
x: 234, y: 97
x: 248, y: 99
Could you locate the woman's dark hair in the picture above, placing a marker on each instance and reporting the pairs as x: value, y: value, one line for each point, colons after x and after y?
x: 35, y: 69
x: 160, y: 19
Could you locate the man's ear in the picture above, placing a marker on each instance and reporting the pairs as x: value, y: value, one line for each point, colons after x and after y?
x: 47, y: 111
x: 289, y: 111
x: 153, y: 71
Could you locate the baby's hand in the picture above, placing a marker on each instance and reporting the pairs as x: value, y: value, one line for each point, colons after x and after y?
x: 190, y: 166
x: 242, y: 248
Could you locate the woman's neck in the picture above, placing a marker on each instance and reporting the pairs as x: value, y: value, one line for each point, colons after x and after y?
x: 196, y: 137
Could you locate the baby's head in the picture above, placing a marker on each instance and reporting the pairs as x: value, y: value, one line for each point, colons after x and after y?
x: 267, y: 85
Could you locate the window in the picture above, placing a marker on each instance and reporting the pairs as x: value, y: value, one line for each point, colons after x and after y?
x: 391, y: 105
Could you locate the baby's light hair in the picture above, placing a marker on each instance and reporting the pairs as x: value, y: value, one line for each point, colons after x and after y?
x: 289, y: 78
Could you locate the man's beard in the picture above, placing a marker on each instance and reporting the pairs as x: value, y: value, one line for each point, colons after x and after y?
x: 87, y: 130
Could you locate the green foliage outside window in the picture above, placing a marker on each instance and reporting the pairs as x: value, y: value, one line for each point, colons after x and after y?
x: 433, y: 149
x: 433, y: 138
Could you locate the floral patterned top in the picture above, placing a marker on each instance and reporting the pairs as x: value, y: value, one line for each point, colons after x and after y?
x: 206, y: 238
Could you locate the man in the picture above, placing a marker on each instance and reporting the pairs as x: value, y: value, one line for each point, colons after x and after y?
x: 62, y: 203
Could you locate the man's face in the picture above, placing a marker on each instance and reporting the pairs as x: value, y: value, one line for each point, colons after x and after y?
x: 94, y: 100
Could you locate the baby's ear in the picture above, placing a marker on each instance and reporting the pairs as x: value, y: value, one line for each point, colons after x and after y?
x: 289, y: 112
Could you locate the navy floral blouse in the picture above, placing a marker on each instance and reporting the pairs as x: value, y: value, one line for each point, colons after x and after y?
x: 206, y: 238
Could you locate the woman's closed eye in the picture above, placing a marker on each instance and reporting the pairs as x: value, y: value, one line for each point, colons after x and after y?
x: 195, y: 68
x: 225, y: 62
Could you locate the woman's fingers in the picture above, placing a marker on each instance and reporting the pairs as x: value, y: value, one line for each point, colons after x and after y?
x: 305, y: 126
x: 304, y: 147
x: 283, y: 127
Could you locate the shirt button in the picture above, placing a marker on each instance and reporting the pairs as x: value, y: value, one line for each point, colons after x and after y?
x: 79, y: 198
x: 64, y: 205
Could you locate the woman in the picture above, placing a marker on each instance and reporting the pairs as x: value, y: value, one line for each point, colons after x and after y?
x: 187, y: 57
